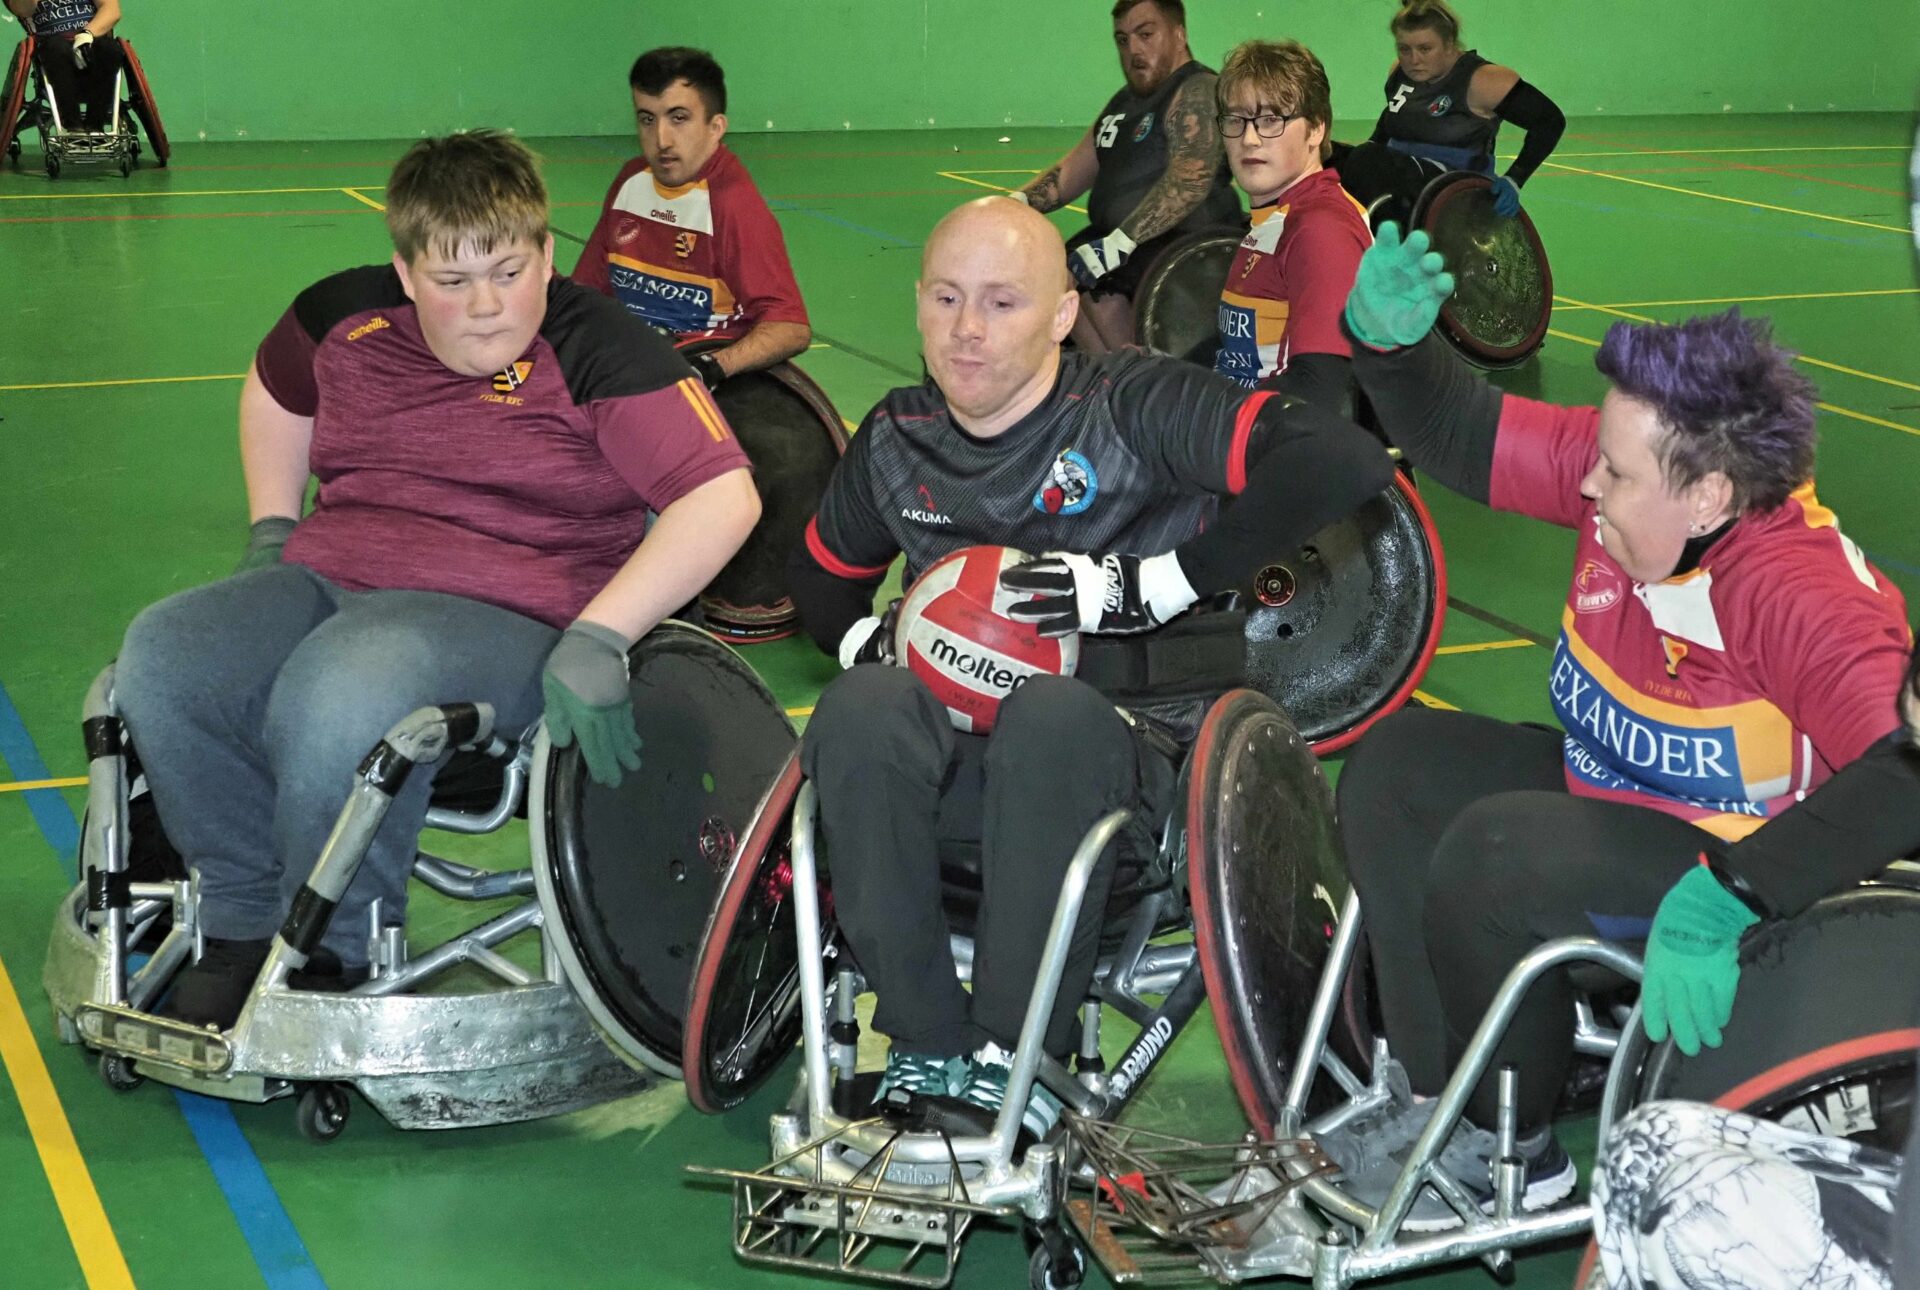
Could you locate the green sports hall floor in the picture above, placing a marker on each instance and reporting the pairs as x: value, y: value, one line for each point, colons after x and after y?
x: 131, y: 308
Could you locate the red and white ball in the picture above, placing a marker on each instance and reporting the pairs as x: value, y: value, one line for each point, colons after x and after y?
x: 954, y: 633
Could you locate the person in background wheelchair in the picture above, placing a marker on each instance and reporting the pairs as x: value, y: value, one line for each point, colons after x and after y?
x: 78, y: 54
x: 1725, y: 676
x: 1686, y: 1194
x: 1444, y: 109
x: 488, y: 440
x: 1116, y: 465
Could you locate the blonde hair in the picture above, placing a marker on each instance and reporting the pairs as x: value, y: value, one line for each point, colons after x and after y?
x: 478, y: 189
x: 1284, y: 75
x: 1436, y: 16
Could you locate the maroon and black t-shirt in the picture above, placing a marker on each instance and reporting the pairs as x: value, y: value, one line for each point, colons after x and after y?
x: 526, y: 489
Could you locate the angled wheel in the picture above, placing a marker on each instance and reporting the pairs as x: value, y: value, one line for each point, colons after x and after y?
x: 627, y: 876
x: 13, y: 94
x: 790, y: 431
x: 145, y: 110
x: 1340, y: 632
x: 1177, y: 308
x: 1503, y: 294
x: 1265, y: 877
x: 743, y: 1004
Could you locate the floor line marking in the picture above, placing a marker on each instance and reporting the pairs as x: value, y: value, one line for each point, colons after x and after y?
x: 137, y: 380
x: 1752, y: 300
x: 1810, y: 361
x: 271, y: 1238
x: 1475, y: 648
x: 1834, y: 408
x: 102, y: 1262
x: 359, y: 196
x: 29, y: 785
x: 1431, y: 702
x: 1721, y: 197
x: 1688, y: 152
x: 121, y: 194
x: 998, y: 188
x: 807, y: 711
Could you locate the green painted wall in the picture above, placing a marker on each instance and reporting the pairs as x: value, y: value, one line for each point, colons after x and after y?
x: 345, y: 69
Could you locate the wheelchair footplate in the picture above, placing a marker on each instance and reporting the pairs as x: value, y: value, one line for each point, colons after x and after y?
x: 1155, y: 1209
x: 868, y: 1226
x: 146, y: 1038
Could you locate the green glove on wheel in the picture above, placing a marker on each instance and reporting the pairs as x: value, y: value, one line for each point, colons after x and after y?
x: 1693, y: 961
x: 585, y: 683
x: 1396, y: 295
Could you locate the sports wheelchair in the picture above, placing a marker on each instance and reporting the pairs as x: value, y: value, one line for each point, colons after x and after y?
x: 1496, y: 317
x: 1251, y: 857
x: 61, y: 143
x: 483, y: 1028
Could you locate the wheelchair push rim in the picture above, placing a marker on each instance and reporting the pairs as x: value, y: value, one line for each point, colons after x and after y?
x: 626, y: 877
x: 1177, y: 307
x: 145, y: 110
x: 1502, y: 301
x: 13, y: 96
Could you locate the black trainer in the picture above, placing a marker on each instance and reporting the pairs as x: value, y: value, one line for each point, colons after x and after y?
x: 210, y: 992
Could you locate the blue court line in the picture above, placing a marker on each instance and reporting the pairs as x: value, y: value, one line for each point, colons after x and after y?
x: 269, y: 1232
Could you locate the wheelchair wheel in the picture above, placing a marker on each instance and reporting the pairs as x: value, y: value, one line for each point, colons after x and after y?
x: 1822, y: 1035
x: 1177, y: 308
x: 13, y: 96
x: 322, y: 1111
x: 791, y: 433
x: 1341, y: 632
x: 743, y: 1005
x: 53, y: 166
x: 145, y: 110
x: 1503, y: 295
x: 626, y: 877
x: 1265, y: 877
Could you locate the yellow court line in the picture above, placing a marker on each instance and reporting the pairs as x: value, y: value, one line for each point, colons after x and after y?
x: 801, y: 712
x: 359, y: 196
x: 1752, y: 300
x: 1736, y: 201
x: 1714, y: 152
x: 1432, y: 702
x: 998, y: 188
x: 120, y: 195
x: 101, y: 1262
x: 1619, y: 312
x: 28, y: 785
x: 138, y: 380
x: 1455, y: 649
x: 1834, y: 408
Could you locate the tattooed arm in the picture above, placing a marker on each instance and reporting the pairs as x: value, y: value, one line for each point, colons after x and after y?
x: 1066, y: 179
x: 1194, y: 153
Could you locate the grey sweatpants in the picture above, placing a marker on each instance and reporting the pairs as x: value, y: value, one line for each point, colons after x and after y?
x: 251, y: 701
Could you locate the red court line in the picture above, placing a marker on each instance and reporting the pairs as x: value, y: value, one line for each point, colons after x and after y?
x: 108, y: 219
x: 1715, y: 163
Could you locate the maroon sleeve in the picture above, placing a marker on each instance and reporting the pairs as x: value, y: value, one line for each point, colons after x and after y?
x: 754, y: 259
x: 285, y: 364
x: 1323, y: 258
x: 1541, y: 452
x: 667, y: 442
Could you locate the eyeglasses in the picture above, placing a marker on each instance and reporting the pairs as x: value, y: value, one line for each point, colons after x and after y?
x: 1267, y: 125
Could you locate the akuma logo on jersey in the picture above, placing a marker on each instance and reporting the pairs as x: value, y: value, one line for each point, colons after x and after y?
x: 1595, y: 588
x: 683, y: 243
x: 1145, y: 128
x: 1440, y: 106
x: 1070, y: 488
x: 926, y: 512
x: 508, y: 379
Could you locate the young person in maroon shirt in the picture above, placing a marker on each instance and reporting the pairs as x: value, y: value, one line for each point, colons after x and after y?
x: 488, y: 440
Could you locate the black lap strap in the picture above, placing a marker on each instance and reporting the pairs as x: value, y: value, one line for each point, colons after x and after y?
x: 1196, y: 656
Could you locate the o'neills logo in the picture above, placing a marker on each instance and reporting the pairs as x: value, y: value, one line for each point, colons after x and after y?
x: 1146, y: 1051
x: 665, y: 217
x: 919, y: 516
x: 376, y: 323
x: 978, y: 666
x: 1595, y: 588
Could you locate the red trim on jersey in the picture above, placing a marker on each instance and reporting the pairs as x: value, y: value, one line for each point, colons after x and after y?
x: 833, y: 564
x: 1242, y: 431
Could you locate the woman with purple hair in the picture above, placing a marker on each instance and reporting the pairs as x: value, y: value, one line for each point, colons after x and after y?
x: 1724, y: 677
